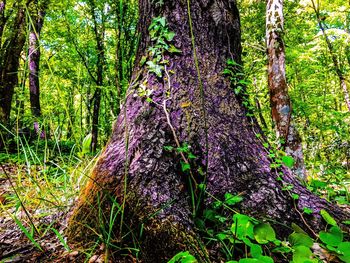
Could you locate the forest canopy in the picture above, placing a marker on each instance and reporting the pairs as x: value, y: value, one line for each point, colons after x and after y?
x: 174, y: 131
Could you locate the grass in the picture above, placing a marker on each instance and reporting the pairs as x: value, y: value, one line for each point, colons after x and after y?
x: 41, y: 181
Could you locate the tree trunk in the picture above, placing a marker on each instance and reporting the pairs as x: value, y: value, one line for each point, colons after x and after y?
x: 336, y: 65
x: 99, y: 31
x: 37, y: 21
x: 281, y: 106
x: 9, y: 63
x: 193, y: 105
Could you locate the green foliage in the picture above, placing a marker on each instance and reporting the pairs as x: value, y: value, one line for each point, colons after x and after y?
x: 183, y: 257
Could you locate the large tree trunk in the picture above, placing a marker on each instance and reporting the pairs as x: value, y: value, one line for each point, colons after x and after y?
x: 201, y: 110
x: 281, y: 105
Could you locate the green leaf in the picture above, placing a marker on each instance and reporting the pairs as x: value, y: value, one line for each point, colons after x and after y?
x: 26, y: 232
x: 299, y: 239
x: 295, y: 196
x: 302, y: 254
x: 173, y: 49
x: 185, y: 166
x: 288, y: 161
x: 344, y: 250
x: 333, y: 238
x: 169, y: 36
x: 183, y: 257
x: 328, y: 218
x: 86, y: 144
x: 307, y: 211
x: 298, y: 229
x: 243, y: 226
x: 168, y: 148
x: 231, y: 199
x: 61, y: 239
x: 249, y: 260
x: 263, y: 233
x: 256, y: 250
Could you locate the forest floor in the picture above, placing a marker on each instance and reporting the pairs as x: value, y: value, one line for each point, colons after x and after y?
x: 35, y: 202
x: 31, y: 230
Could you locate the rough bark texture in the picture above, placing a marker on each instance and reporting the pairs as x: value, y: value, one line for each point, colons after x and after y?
x: 9, y: 62
x: 34, y: 57
x: 281, y: 106
x: 147, y: 180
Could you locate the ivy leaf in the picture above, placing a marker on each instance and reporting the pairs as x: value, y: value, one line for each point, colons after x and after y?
x: 169, y: 36
x: 263, y: 233
x: 288, y: 161
x: 185, y: 166
x: 173, y: 49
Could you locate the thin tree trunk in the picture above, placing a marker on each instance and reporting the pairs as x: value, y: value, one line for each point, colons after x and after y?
x: 281, y: 106
x: 336, y: 65
x: 193, y: 105
x: 99, y: 31
x: 37, y: 21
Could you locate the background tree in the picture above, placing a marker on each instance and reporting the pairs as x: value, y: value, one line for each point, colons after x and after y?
x: 281, y: 106
x: 178, y: 99
x: 37, y: 16
x: 12, y: 42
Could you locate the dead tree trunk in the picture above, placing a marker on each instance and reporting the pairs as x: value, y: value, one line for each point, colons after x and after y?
x: 193, y: 105
x: 281, y: 106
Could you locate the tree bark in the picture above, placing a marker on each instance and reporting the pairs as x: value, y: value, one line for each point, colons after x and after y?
x: 201, y: 109
x: 281, y: 106
x: 9, y: 63
x: 37, y: 21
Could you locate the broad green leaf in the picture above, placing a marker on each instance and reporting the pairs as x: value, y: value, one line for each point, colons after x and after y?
x: 328, y: 218
x: 333, y: 237
x: 263, y: 233
x: 302, y: 254
x: 299, y: 239
x: 344, y: 251
x: 256, y: 250
x: 242, y: 226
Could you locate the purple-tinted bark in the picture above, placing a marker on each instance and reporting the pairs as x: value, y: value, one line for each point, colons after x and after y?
x: 148, y: 181
x: 34, y: 60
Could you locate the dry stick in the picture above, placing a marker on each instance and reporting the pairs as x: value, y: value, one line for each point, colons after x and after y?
x: 16, y: 193
x: 334, y: 58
